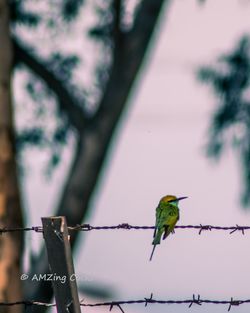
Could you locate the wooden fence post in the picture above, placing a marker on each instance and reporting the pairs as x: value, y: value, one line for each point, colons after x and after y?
x: 56, y: 237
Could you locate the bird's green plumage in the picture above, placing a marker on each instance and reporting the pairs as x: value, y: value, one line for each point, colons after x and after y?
x: 167, y: 215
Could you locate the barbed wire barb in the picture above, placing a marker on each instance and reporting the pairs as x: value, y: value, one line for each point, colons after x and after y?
x: 239, y: 228
x: 148, y: 300
x: 204, y: 227
x: 233, y: 302
x: 196, y: 301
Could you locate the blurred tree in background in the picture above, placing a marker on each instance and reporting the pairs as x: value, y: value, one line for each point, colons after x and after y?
x: 59, y: 103
x: 230, y: 80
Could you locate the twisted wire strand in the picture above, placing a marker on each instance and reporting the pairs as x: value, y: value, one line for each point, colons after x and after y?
x: 146, y: 301
x: 126, y: 226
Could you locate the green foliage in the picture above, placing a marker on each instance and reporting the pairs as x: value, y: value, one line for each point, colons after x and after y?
x: 103, y: 32
x: 31, y: 136
x: 51, y: 17
x: 104, y: 27
x: 66, y: 9
x: 63, y: 65
x: 19, y: 15
x: 230, y: 82
x: 70, y: 9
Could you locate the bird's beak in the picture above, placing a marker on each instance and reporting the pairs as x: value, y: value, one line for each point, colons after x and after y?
x: 181, y: 198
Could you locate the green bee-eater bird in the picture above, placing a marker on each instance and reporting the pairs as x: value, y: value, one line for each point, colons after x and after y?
x: 167, y: 215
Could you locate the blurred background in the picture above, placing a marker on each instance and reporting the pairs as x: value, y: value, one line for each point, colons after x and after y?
x: 118, y: 103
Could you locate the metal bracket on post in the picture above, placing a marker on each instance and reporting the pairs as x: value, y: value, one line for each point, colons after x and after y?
x: 56, y: 237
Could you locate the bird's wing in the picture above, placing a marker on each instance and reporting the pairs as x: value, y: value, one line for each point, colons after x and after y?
x: 159, y: 211
x: 169, y: 220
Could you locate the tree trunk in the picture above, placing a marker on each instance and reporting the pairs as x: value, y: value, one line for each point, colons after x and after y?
x: 10, y: 208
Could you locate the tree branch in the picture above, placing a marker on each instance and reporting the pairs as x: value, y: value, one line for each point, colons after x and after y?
x: 95, y: 141
x: 128, y: 58
x: 117, y: 7
x: 67, y: 102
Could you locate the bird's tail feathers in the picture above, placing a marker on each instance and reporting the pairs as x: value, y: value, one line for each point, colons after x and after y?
x: 152, y: 253
x: 157, y: 238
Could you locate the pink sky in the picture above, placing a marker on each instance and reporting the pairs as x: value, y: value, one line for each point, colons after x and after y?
x: 160, y: 150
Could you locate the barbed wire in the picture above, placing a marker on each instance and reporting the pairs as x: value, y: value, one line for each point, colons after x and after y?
x: 38, y: 229
x: 27, y: 303
x: 111, y: 304
x: 126, y: 226
x: 195, y: 300
x: 200, y: 227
